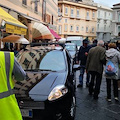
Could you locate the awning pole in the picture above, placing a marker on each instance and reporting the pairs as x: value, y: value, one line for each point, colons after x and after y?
x: 1, y: 37
x: 29, y: 32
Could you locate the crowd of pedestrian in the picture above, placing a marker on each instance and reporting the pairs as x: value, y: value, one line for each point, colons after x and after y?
x: 96, y: 59
x: 93, y: 59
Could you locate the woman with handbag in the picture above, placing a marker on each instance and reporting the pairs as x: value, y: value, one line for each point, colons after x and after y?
x: 112, y: 70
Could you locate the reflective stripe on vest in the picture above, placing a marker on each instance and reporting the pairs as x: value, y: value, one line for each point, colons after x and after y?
x: 7, y: 66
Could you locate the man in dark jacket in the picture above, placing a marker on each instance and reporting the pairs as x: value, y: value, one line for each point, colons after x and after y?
x: 94, y: 65
x: 82, y: 57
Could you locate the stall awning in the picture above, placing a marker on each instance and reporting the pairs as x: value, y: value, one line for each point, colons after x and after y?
x: 54, y: 34
x: 11, y: 24
x: 41, y: 31
x: 29, y: 17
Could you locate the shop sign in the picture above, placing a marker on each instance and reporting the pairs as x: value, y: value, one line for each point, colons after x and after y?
x: 15, y: 29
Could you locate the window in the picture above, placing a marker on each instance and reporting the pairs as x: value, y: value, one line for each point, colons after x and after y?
x: 66, y: 20
x: 104, y: 14
x: 24, y: 2
x: 98, y: 14
x: 71, y: 28
x: 93, y: 30
x: 86, y: 29
x: 72, y: 12
x: 118, y: 29
x: 59, y: 20
x: 98, y: 26
x: 44, y: 10
x: 66, y: 10
x: 60, y: 29
x: 104, y: 36
x: 77, y: 28
x: 48, y: 18
x: 87, y: 13
x: 119, y: 17
x: 36, y: 6
x: 59, y: 10
x: 82, y: 28
x: 70, y: 47
x: 66, y: 26
x: 46, y: 63
x: 52, y: 19
x: 77, y: 12
x: 93, y: 14
x: 104, y: 27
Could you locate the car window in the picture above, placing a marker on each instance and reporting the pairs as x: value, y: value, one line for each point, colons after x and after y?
x: 42, y: 60
x: 53, y: 60
x: 68, y: 60
x: 70, y: 47
x: 77, y: 42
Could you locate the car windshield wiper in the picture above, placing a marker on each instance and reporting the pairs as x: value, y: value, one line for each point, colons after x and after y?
x: 32, y: 70
x: 37, y: 70
x: 47, y: 70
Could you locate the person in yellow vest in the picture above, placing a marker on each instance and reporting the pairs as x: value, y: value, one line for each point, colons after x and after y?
x: 9, y: 68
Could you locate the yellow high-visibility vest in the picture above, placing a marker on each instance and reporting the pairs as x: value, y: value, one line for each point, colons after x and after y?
x: 9, y: 109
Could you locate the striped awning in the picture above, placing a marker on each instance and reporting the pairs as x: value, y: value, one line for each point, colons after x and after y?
x: 11, y: 24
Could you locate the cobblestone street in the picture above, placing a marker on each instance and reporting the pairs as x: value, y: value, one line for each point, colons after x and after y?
x: 89, y: 109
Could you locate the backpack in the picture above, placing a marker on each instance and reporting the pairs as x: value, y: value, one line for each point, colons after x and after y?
x: 110, y: 69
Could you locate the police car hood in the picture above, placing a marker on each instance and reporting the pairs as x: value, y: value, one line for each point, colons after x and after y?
x: 111, y: 53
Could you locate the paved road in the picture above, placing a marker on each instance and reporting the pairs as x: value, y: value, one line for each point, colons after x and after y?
x: 89, y: 109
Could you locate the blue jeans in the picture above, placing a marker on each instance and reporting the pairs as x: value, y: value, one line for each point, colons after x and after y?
x: 82, y: 71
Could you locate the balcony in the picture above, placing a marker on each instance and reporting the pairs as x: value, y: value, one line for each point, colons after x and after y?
x: 105, y: 18
x: 87, y: 18
x: 99, y: 18
x: 59, y: 14
x: 72, y: 16
x: 78, y: 17
x: 118, y: 22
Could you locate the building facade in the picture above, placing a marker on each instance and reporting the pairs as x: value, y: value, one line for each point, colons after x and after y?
x: 116, y: 20
x: 104, y: 22
x: 76, y: 19
x: 30, y: 11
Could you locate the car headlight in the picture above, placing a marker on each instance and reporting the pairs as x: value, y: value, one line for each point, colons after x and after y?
x: 57, y: 92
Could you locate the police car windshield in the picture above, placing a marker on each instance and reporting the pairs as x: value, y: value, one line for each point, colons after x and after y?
x: 42, y: 60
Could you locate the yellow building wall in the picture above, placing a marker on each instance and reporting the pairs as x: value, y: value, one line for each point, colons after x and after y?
x: 51, y: 8
x: 82, y: 22
x: 18, y: 7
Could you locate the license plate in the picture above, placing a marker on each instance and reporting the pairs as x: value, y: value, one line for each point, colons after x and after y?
x: 26, y: 113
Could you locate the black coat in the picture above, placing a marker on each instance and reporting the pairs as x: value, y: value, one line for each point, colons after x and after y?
x: 81, y: 55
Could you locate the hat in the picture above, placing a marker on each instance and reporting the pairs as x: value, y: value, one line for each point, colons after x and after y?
x: 85, y: 41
